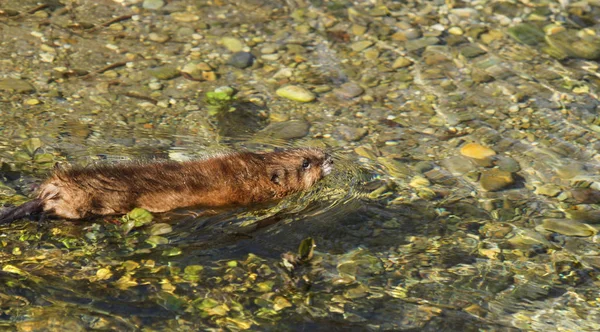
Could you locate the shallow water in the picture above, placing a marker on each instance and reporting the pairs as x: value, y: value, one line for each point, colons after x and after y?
x: 415, y: 229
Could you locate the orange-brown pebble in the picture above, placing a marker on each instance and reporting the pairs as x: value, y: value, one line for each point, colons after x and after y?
x: 476, y: 151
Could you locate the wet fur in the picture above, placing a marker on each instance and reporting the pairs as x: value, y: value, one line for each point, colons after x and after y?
x: 230, y: 179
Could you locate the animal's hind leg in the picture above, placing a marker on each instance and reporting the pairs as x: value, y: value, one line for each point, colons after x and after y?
x: 42, y: 220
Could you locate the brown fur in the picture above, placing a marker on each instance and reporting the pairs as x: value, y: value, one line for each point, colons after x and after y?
x: 230, y: 179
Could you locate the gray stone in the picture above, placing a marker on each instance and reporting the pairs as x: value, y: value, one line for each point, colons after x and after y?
x: 506, y: 164
x: 288, y: 129
x: 458, y: 165
x: 348, y: 90
x: 241, y: 60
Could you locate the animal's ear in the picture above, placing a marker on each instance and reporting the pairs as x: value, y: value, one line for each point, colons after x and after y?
x: 276, y: 176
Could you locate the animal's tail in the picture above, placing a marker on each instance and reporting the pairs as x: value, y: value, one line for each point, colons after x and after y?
x: 9, y: 215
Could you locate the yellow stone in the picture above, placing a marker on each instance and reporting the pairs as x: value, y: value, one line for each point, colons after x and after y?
x: 476, y: 151
x: 32, y: 102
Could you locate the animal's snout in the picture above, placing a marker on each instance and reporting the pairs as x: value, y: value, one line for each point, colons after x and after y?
x: 327, y: 164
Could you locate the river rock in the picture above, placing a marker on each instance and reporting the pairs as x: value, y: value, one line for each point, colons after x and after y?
x: 458, y: 165
x: 585, y: 195
x: 476, y: 151
x: 153, y: 4
x: 352, y: 134
x: 568, y: 227
x: 548, y: 189
x: 401, y: 62
x: 348, y: 90
x: 361, y: 45
x: 495, y: 179
x: 16, y: 85
x: 165, y: 72
x: 506, y: 164
x: 295, y: 93
x: 241, y: 60
x: 232, y: 44
x: 288, y: 130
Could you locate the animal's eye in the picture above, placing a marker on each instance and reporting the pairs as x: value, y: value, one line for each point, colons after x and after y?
x: 305, y: 163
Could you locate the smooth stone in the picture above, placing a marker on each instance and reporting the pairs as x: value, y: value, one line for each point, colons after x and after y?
x: 419, y: 182
x: 424, y: 166
x: 549, y: 189
x: 417, y: 44
x: 458, y: 165
x: 232, y: 44
x: 185, y: 32
x: 270, y: 57
x: 587, y: 216
x: 241, y: 60
x: 407, y: 34
x: 16, y: 85
x: 295, y: 93
x: 165, y: 72
x: 568, y: 227
x: 268, y: 49
x: 352, y: 134
x: 476, y: 151
x: 456, y: 31
x: 506, y: 164
x: 156, y: 37
x: 288, y: 130
x: 495, y: 179
x: 155, y: 86
x: 585, y: 196
x: 192, y: 70
x: 401, y: 62
x: 185, y: 17
x: 361, y: 45
x: 348, y: 90
x: 526, y: 33
x: 479, y: 76
x: 32, y: 102
x: 153, y: 4
x: 358, y: 30
x: 471, y: 51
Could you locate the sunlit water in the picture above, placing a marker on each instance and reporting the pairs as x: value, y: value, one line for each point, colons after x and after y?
x: 406, y: 237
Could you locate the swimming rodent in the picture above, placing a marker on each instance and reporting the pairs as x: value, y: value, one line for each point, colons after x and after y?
x: 240, y: 178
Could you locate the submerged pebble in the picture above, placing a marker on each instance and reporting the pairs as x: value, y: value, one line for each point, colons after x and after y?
x: 288, y: 129
x: 295, y: 93
x: 241, y: 60
x: 16, y: 85
x: 568, y: 227
x: 153, y: 4
x: 476, y: 151
x: 495, y: 179
x: 348, y: 90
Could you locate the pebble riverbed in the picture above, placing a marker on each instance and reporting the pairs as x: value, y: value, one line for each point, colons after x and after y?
x: 466, y: 192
